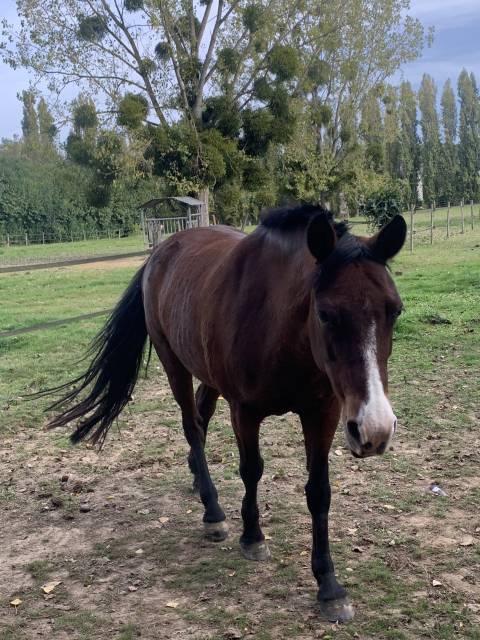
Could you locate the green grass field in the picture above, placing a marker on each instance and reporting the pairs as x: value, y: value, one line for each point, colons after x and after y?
x: 20, y: 254
x: 409, y: 559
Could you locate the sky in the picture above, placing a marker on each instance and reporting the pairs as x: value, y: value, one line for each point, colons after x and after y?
x: 456, y: 45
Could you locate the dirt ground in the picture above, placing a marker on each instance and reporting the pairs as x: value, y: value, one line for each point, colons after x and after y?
x: 121, y: 534
x: 109, y: 264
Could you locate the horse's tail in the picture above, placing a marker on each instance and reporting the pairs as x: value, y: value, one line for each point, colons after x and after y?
x: 117, y: 355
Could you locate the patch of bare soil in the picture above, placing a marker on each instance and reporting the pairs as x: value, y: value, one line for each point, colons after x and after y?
x: 109, y: 264
x: 120, y: 532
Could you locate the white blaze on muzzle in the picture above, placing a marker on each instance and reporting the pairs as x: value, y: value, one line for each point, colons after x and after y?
x: 378, y: 420
x: 375, y: 418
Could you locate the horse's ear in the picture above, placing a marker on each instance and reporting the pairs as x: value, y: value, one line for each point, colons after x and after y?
x: 389, y: 240
x: 321, y: 237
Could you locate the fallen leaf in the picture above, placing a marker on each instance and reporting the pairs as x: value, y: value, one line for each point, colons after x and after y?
x: 352, y: 532
x: 390, y: 507
x: 267, y: 537
x: 338, y: 452
x: 50, y: 586
x: 16, y: 602
x: 164, y: 519
x: 436, y: 583
x: 467, y: 541
x: 139, y: 552
x: 232, y: 573
x: 172, y: 604
x: 132, y: 588
x: 303, y: 553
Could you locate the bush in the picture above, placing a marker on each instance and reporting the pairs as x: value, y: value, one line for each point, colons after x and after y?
x: 382, y: 205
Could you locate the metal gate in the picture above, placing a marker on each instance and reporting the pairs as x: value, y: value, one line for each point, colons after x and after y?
x: 156, y: 229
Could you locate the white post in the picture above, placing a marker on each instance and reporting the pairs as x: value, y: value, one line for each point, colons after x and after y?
x: 204, y: 212
x: 412, y: 211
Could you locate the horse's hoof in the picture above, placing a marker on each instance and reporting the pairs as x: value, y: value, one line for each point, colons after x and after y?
x: 215, y: 531
x: 339, y: 610
x: 257, y: 551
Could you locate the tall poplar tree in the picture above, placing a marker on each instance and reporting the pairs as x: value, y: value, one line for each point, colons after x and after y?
x: 392, y: 131
x: 372, y: 133
x: 430, y: 171
x: 449, y: 159
x: 469, y: 135
x: 30, y: 132
x: 409, y: 141
x: 46, y: 126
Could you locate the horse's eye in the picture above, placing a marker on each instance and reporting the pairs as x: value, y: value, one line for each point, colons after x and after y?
x: 324, y: 317
x: 393, y: 313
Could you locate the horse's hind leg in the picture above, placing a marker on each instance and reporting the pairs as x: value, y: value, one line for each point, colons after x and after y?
x: 182, y: 387
x: 206, y: 400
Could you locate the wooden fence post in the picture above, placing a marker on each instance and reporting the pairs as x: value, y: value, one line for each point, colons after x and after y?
x: 412, y: 211
x: 471, y: 213
x: 448, y: 220
x: 26, y: 239
x: 463, y: 217
x: 8, y: 239
x: 431, y: 224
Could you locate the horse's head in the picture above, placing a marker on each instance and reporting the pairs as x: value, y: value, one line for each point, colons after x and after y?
x: 353, y: 312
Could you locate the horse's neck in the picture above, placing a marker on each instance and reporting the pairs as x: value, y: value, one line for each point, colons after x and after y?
x: 284, y: 268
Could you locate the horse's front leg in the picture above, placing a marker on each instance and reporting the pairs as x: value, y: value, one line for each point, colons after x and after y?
x: 319, y: 428
x: 246, y: 426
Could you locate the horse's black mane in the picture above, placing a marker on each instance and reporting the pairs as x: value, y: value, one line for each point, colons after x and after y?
x: 348, y: 249
x: 294, y: 217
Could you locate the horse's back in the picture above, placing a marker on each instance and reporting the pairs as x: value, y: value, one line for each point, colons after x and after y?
x: 178, y: 287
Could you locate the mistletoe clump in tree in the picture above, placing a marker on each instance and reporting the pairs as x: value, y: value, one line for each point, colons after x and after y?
x: 206, y: 86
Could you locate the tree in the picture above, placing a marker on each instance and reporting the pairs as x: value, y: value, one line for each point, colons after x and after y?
x: 349, y: 49
x: 427, y: 97
x: 449, y: 158
x: 469, y: 135
x: 409, y: 142
x: 179, y: 67
x: 392, y: 133
x: 30, y: 131
x: 175, y: 71
x: 372, y: 132
x: 46, y: 126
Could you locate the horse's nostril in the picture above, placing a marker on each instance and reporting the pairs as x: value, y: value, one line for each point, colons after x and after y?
x: 367, y: 445
x: 381, y: 448
x: 352, y: 427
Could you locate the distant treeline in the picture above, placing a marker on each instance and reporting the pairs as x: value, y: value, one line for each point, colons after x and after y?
x: 400, y: 147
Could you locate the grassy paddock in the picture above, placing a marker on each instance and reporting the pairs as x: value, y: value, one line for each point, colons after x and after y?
x: 421, y: 223
x: 33, y: 253
x: 391, y: 538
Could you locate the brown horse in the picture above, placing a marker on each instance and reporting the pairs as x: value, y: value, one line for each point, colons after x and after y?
x: 297, y: 316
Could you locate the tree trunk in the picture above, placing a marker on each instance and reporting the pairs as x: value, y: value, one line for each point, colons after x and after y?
x: 203, y: 195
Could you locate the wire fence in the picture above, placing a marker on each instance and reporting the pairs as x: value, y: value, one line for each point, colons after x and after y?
x: 428, y: 226
x: 27, y: 238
